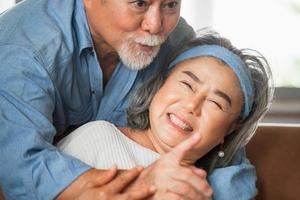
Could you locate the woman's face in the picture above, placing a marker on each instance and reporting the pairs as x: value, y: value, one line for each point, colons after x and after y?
x: 200, y: 96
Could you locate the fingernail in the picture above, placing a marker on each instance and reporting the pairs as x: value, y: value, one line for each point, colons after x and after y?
x: 152, y: 188
x: 196, y: 136
x: 209, y: 191
x: 140, y: 168
x: 200, y: 171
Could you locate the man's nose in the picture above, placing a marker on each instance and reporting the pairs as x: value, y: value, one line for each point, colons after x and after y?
x: 153, y: 21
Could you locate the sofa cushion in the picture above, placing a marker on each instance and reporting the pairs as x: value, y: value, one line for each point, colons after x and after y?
x: 275, y: 152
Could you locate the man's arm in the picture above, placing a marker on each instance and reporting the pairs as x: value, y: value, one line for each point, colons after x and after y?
x: 237, y: 181
x: 31, y: 167
x: 106, y: 185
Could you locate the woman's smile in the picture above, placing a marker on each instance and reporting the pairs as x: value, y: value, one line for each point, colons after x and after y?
x: 179, y: 123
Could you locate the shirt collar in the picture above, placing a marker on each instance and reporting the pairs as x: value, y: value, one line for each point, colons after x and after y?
x: 81, y: 27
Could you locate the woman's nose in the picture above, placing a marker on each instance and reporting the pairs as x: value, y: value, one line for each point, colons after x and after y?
x: 194, y: 105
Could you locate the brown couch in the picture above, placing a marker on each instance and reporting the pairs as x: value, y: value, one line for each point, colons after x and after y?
x: 1, y: 195
x: 275, y: 151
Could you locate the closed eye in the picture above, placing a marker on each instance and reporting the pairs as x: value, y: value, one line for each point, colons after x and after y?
x: 187, y: 85
x: 217, y: 104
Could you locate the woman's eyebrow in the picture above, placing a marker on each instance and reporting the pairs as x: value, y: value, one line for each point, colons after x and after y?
x: 224, y: 96
x: 193, y: 76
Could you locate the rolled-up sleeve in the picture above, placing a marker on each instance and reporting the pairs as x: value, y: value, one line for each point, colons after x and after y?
x: 30, y: 166
x: 236, y: 181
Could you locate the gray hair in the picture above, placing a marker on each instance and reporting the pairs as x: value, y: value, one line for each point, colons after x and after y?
x: 138, y: 111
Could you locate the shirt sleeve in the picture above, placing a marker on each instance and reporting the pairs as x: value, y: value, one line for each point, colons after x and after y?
x: 30, y: 166
x: 237, y: 181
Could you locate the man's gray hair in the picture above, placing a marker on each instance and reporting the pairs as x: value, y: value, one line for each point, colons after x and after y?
x: 138, y: 111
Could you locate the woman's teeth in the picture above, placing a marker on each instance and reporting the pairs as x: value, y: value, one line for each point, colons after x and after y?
x: 180, y: 123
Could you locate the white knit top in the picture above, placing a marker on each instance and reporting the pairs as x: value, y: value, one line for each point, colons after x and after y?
x: 100, y: 144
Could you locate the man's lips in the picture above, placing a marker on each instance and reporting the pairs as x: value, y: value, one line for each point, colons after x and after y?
x: 145, y: 47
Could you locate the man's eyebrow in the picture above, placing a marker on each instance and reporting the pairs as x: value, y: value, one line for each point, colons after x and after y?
x: 223, y: 95
x: 192, y: 76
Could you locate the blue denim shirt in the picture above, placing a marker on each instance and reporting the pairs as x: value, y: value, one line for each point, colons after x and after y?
x: 50, y: 79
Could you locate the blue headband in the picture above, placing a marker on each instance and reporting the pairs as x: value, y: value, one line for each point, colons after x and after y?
x: 233, y: 61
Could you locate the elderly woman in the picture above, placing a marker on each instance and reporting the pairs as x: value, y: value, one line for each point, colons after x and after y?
x: 210, y: 89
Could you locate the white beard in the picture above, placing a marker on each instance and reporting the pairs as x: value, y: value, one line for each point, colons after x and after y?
x: 136, y: 59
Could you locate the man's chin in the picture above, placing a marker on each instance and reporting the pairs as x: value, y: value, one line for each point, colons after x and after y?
x: 138, y: 62
x: 133, y: 66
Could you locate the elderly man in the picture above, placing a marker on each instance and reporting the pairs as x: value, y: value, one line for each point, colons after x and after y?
x: 67, y: 62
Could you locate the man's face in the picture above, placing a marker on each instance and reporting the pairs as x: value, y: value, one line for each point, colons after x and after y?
x: 133, y: 28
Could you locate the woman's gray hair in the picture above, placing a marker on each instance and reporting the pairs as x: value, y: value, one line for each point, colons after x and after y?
x: 138, y: 111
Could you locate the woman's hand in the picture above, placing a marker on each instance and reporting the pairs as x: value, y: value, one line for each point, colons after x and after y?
x: 106, y: 185
x: 174, y: 181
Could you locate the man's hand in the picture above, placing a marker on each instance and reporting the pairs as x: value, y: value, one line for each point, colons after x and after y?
x: 173, y: 180
x: 106, y: 185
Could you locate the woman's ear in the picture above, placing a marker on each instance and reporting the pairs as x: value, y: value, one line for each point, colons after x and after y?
x: 234, y: 126
x: 222, y: 141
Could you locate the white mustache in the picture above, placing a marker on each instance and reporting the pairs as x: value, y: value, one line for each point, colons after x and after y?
x: 150, y: 40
